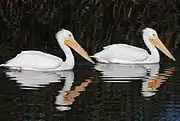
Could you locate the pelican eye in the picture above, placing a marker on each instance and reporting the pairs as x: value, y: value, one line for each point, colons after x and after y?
x: 154, y: 35
x: 70, y: 37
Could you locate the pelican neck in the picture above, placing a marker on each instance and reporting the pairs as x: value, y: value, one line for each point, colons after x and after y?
x: 154, y: 55
x: 69, y: 62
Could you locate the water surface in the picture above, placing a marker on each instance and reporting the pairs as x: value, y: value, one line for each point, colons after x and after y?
x: 107, y: 92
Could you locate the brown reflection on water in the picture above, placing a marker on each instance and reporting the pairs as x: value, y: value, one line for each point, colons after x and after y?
x: 70, y: 96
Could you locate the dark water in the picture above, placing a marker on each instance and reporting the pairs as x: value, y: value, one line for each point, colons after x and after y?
x: 92, y: 93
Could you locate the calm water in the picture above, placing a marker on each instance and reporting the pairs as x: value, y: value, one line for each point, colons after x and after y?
x: 101, y: 92
x: 89, y: 92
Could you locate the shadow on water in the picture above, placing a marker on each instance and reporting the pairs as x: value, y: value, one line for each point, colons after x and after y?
x: 102, y: 92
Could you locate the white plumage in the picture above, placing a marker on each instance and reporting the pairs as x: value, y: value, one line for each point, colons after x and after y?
x: 116, y: 53
x: 34, y: 60
x: 122, y: 53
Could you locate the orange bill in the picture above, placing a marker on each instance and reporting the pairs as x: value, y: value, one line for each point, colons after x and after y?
x: 157, y: 42
x: 74, y: 45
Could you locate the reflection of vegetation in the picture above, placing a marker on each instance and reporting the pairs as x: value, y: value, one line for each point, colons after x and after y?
x: 95, y: 23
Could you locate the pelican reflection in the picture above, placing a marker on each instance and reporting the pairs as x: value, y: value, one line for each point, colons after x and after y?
x: 32, y: 79
x: 126, y: 73
x: 149, y: 74
x: 35, y: 80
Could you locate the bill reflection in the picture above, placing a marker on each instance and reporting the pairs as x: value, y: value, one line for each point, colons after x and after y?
x: 151, y: 84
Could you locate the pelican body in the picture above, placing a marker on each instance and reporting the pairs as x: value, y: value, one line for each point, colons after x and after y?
x: 40, y: 61
x: 127, y: 54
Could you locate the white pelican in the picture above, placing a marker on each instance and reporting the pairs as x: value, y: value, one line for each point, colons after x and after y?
x: 39, y: 61
x: 122, y: 53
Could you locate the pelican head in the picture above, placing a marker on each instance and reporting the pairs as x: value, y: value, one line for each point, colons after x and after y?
x: 65, y: 37
x: 152, y: 36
